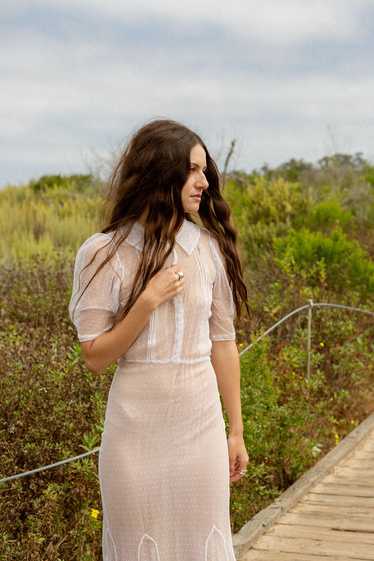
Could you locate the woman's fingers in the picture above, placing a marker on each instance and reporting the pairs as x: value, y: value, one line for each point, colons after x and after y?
x: 233, y: 464
x: 238, y: 458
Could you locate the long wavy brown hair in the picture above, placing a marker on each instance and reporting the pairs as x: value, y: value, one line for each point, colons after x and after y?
x: 149, y: 176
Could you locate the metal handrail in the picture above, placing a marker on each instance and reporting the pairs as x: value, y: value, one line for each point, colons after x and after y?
x: 61, y: 462
x: 308, y: 307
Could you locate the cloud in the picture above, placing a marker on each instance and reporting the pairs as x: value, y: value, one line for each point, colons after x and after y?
x: 274, y: 75
x: 269, y: 20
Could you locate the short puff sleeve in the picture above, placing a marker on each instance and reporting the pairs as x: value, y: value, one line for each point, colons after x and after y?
x: 221, y: 321
x: 93, y: 313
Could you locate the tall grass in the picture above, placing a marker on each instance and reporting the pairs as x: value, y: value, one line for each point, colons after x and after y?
x: 50, y: 223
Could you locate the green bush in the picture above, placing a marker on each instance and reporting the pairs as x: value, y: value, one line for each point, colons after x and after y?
x: 51, y: 408
x: 327, y: 215
x: 333, y: 261
x: 264, y: 210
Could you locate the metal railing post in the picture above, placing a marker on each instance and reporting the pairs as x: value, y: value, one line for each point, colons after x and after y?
x: 309, y: 339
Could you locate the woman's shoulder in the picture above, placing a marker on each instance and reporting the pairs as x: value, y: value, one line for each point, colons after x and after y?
x: 94, y: 241
x: 96, y: 247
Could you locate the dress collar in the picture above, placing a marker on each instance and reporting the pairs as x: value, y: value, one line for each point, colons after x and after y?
x: 187, y: 236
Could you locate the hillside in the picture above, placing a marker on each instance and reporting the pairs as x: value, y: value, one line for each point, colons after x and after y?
x: 306, y: 231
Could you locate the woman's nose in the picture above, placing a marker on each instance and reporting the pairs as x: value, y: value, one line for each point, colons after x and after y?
x: 203, y: 182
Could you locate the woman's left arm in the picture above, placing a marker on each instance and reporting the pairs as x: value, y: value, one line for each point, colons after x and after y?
x: 226, y: 363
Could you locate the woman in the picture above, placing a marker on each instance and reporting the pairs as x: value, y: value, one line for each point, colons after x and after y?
x: 158, y: 293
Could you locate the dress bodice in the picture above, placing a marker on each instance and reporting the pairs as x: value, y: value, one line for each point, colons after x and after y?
x: 180, y: 329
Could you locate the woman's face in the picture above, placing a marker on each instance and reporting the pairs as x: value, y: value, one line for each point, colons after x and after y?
x: 196, y: 182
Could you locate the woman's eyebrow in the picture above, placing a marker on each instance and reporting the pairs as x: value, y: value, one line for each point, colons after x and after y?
x: 195, y: 164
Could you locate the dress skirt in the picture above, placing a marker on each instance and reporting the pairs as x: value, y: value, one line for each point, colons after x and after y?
x: 164, y: 466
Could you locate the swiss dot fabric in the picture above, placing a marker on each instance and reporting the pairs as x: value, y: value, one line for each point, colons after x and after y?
x: 182, y: 328
x: 163, y: 462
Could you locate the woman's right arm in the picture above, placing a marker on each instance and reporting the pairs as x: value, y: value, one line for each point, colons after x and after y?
x: 95, y: 303
x: 108, y: 347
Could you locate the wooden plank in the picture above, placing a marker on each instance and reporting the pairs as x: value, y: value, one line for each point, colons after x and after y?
x: 346, y: 470
x: 368, y: 445
x: 314, y: 546
x: 358, y: 464
x: 322, y: 534
x: 333, y: 521
x: 319, y: 498
x: 358, y: 468
x: 348, y: 480
x: 331, y: 510
x: 262, y: 555
x: 344, y: 490
x: 365, y: 450
x: 365, y: 454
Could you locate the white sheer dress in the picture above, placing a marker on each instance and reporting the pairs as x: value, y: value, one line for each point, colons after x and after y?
x: 163, y: 461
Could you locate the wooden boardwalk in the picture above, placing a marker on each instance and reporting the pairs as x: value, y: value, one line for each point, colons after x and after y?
x: 327, y: 515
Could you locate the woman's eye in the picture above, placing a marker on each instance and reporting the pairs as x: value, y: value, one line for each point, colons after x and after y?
x: 195, y: 169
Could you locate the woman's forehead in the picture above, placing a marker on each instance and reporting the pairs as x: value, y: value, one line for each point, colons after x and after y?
x: 197, y: 154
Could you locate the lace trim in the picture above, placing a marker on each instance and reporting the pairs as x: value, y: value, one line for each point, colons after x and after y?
x: 108, y: 545
x: 151, y: 552
x: 219, y: 550
x: 216, y: 547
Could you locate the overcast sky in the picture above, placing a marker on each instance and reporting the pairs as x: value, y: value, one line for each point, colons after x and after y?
x: 286, y: 78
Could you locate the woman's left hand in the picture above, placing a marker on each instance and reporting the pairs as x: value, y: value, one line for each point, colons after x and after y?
x: 238, y: 456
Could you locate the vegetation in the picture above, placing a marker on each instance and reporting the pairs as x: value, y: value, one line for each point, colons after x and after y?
x: 306, y: 231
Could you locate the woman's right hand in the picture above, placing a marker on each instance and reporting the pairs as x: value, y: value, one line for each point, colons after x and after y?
x: 164, y: 285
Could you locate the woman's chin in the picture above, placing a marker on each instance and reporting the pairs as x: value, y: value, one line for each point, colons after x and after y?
x: 195, y: 205
x: 192, y: 206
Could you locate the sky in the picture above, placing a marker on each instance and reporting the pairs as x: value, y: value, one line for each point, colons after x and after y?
x: 284, y: 78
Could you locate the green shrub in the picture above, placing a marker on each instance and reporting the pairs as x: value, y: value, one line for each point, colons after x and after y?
x: 327, y: 215
x: 264, y: 210
x: 51, y: 408
x: 333, y: 261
